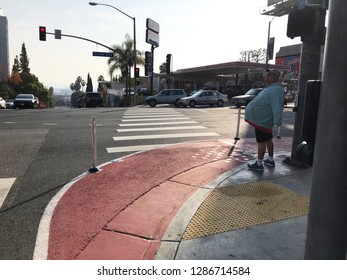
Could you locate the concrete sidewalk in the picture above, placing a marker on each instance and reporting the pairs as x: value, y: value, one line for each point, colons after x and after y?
x: 184, y: 201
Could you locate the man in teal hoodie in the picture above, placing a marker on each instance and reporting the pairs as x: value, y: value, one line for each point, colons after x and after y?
x: 263, y: 113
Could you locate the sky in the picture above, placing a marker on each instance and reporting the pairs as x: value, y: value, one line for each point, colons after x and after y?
x: 195, y: 32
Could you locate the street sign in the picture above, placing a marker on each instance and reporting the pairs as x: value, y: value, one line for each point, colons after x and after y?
x: 152, y: 38
x: 152, y: 25
x: 152, y: 32
x: 104, y: 54
x: 57, y: 34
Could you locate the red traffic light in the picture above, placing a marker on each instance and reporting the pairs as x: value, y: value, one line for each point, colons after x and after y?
x: 42, y: 33
x: 137, y: 72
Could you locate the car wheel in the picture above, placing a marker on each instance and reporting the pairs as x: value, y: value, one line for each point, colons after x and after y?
x: 177, y: 103
x: 220, y: 103
x: 192, y: 104
x: 152, y: 103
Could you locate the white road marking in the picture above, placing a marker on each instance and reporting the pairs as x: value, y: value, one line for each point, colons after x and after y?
x: 134, y: 148
x: 165, y: 136
x: 157, y: 123
x: 50, y: 124
x: 161, y: 128
x: 153, y: 119
x: 151, y: 115
x: 5, y: 186
x: 168, y: 120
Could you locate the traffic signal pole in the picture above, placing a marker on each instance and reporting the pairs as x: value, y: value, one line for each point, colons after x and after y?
x: 309, y: 70
x: 82, y: 38
x: 327, y: 219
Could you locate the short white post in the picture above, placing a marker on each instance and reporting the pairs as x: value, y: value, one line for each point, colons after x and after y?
x: 94, y: 169
x: 238, y: 125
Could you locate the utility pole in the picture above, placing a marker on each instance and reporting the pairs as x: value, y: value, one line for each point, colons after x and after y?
x: 327, y: 219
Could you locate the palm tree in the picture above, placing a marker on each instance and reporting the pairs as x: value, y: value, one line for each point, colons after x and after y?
x: 123, y: 59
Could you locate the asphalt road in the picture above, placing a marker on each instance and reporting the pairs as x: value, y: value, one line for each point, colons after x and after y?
x: 45, y: 149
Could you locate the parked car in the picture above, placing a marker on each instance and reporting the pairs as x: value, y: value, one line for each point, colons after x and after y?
x: 90, y: 99
x: 235, y: 90
x: 143, y: 91
x: 204, y: 97
x: 26, y: 101
x: 9, y: 103
x: 2, y: 103
x: 289, y: 98
x: 243, y: 100
x: 166, y: 96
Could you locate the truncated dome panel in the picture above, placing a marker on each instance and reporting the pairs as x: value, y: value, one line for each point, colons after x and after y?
x: 245, y: 205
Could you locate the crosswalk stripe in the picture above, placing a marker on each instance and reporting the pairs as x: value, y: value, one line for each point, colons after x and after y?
x: 152, y: 119
x: 152, y: 116
x: 161, y: 121
x: 156, y: 123
x: 134, y: 148
x: 165, y: 136
x: 5, y: 186
x: 160, y: 128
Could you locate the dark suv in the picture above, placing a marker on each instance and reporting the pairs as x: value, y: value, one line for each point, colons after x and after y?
x: 90, y: 99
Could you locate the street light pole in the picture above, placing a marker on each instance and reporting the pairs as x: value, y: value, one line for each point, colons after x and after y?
x: 133, y: 18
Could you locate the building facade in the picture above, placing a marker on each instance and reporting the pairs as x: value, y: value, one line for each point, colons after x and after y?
x: 4, y: 53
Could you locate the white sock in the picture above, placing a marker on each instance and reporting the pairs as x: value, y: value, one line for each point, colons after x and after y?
x: 259, y: 161
x: 270, y: 158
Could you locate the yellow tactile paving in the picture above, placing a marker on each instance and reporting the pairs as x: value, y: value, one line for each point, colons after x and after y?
x: 245, y: 205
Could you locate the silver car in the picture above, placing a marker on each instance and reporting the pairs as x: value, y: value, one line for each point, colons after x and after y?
x: 166, y: 96
x: 204, y: 97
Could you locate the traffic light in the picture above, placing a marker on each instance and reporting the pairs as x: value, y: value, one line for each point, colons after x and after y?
x: 168, y: 64
x: 137, y: 72
x: 42, y: 32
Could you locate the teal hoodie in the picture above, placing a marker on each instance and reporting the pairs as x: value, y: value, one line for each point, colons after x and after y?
x: 266, y: 109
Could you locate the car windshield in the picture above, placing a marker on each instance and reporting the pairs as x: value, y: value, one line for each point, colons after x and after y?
x: 26, y: 96
x: 252, y: 91
x: 197, y: 94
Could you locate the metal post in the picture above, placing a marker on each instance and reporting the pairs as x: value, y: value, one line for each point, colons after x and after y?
x: 152, y: 72
x: 134, y: 53
x: 327, y: 226
x: 94, y: 169
x: 237, y: 134
x: 238, y: 124
x: 309, y: 70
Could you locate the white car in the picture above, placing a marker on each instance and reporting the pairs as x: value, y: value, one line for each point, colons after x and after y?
x: 26, y: 101
x: 204, y: 97
x: 2, y: 103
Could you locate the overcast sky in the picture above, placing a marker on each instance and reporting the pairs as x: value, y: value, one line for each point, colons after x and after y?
x: 195, y: 32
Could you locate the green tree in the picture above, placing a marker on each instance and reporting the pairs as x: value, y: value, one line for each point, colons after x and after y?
x: 16, y: 66
x: 89, y: 84
x: 76, y: 90
x: 24, y: 60
x: 123, y: 59
x: 22, y: 81
x: 162, y: 68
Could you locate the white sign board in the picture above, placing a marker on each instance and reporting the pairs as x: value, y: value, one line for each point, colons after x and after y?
x: 152, y: 38
x: 152, y: 25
